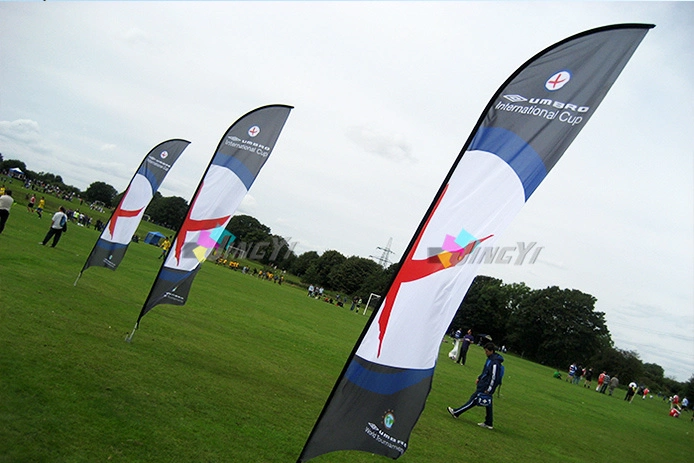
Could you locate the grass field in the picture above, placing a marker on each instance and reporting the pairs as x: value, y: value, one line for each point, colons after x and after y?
x: 242, y: 371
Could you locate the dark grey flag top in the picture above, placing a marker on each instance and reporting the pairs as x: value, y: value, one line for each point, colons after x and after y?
x: 525, y: 129
x: 241, y: 153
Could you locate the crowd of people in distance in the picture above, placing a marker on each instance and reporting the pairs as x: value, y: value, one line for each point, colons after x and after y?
x: 36, y: 204
x: 606, y: 384
x: 271, y: 274
x: 318, y: 292
x: 677, y: 406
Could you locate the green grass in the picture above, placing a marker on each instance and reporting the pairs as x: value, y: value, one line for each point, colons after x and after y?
x: 242, y: 371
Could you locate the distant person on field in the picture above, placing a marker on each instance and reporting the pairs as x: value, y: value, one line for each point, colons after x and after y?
x: 354, y: 303
x: 601, y: 380
x: 464, y: 346
x: 614, y: 382
x: 572, y: 372
x: 605, y: 383
x: 454, y: 353
x: 486, y: 382
x: 589, y: 378
x: 30, y: 205
x: 39, y: 208
x: 164, y: 247
x: 645, y: 392
x: 6, y: 201
x: 578, y: 374
x: 631, y: 392
x: 58, y: 226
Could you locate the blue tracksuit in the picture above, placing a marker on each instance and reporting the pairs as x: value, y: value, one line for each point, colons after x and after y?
x: 487, y: 383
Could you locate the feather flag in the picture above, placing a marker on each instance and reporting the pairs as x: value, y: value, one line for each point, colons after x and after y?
x: 241, y: 153
x: 111, y: 246
x: 524, y: 130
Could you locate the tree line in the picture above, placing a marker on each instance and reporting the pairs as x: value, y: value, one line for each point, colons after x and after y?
x: 551, y: 326
x: 556, y: 327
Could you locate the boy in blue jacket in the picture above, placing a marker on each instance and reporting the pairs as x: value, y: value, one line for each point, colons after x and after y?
x: 487, y: 383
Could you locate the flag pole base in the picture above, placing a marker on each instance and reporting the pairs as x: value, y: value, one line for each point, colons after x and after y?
x: 78, y: 279
x: 129, y: 338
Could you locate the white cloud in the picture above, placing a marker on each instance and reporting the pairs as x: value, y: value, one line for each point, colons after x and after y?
x: 21, y: 131
x: 388, y: 146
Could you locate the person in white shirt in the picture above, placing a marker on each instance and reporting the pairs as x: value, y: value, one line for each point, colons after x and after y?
x: 58, y: 226
x: 6, y: 201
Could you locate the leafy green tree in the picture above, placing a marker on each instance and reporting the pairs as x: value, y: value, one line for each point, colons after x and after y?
x: 248, y: 229
x: 687, y: 391
x: 49, y: 178
x: 257, y: 240
x: 484, y: 309
x: 303, y: 262
x: 320, y: 269
x: 273, y: 250
x: 167, y: 211
x: 100, y: 191
x: 623, y: 363
x: 516, y: 293
x: 556, y: 327
x: 286, y: 257
x: 630, y: 367
x: 652, y: 376
x: 377, y: 282
x: 671, y: 387
x: 349, y: 276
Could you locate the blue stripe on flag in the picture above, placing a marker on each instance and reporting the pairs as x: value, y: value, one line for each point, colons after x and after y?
x: 237, y: 167
x: 149, y: 175
x: 518, y: 154
x: 173, y: 276
x: 385, y: 383
x: 103, y: 244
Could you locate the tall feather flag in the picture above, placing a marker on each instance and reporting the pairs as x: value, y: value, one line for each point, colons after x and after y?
x: 112, y: 244
x: 524, y: 130
x: 241, y: 153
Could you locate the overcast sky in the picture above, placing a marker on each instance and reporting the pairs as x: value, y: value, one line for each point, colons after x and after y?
x: 385, y: 96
